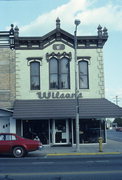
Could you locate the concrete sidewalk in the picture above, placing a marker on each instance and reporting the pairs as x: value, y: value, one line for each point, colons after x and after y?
x: 111, y: 147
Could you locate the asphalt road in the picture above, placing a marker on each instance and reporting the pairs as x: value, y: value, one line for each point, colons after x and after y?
x: 62, y: 168
x: 98, y: 167
x: 114, y: 135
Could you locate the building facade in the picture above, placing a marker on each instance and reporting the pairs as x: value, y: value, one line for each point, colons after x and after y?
x: 44, y: 86
x: 45, y: 69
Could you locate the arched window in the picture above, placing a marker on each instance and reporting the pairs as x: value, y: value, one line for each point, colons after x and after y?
x: 59, y: 74
x: 35, y: 75
x: 53, y: 73
x: 83, y: 75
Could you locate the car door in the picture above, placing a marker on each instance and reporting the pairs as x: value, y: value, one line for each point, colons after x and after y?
x: 2, y: 143
x: 5, y: 143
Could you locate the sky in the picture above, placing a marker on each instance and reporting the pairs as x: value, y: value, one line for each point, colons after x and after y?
x: 37, y: 17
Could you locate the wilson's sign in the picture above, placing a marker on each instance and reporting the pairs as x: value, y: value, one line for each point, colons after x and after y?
x: 57, y: 95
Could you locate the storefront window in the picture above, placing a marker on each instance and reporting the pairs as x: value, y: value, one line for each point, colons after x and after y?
x: 90, y: 130
x: 34, y: 128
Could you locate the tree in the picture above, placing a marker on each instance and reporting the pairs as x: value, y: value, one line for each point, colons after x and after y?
x: 118, y: 121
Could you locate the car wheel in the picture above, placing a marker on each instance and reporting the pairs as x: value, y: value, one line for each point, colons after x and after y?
x: 18, y: 152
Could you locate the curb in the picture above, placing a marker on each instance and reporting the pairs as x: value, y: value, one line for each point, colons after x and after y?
x: 78, y: 154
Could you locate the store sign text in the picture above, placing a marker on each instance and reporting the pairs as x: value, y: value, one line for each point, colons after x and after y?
x: 57, y: 95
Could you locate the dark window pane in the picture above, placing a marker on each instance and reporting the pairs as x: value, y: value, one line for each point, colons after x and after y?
x: 83, y: 82
x: 53, y: 81
x: 83, y: 75
x: 35, y: 68
x: 64, y: 81
x: 35, y: 82
x: 64, y: 73
x: 53, y: 66
x: 53, y: 74
x: 35, y: 75
x: 64, y: 65
x: 83, y: 67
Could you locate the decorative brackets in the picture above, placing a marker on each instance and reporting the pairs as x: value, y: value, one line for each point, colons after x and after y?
x: 58, y: 55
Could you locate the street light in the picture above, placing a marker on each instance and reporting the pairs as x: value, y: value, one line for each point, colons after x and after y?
x: 77, y: 22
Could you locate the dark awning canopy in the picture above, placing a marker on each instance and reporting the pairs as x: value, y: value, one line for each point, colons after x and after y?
x: 65, y: 108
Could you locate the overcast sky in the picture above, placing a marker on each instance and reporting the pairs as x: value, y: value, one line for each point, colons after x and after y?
x: 37, y: 17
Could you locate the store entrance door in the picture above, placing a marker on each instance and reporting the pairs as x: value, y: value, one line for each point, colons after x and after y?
x: 61, y: 132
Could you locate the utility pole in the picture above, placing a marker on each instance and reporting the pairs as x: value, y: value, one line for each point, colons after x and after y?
x: 117, y: 100
x: 77, y: 22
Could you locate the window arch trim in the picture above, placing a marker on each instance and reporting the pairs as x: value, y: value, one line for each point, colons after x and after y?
x: 34, y: 59
x: 58, y: 55
x: 84, y: 58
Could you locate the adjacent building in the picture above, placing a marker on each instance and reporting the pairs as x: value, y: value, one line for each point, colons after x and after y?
x: 7, y: 70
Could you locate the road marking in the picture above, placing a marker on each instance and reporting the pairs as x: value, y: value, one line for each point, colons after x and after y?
x: 98, y: 161
x: 98, y: 153
x: 48, y: 163
x: 62, y: 173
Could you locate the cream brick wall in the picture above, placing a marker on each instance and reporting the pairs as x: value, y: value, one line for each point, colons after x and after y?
x: 7, y: 77
x: 96, y: 73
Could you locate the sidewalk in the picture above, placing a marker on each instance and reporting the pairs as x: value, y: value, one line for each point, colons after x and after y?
x: 111, y: 147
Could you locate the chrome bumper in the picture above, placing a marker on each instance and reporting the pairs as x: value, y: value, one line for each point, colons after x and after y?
x: 40, y: 147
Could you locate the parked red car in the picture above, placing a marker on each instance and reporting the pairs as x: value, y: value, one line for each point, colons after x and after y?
x: 16, y: 145
x: 119, y: 129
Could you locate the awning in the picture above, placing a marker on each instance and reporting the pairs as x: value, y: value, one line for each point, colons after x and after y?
x: 65, y: 108
x: 5, y: 113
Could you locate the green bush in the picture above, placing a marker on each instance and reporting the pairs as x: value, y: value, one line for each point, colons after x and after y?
x: 118, y: 121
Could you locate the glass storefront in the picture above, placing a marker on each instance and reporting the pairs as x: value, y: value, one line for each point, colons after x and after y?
x: 90, y: 130
x: 62, y: 131
x: 36, y: 128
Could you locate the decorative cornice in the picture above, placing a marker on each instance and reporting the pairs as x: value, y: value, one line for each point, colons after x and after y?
x: 87, y: 42
x: 58, y: 55
x: 58, y: 34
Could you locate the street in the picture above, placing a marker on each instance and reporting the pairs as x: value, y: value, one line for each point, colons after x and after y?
x: 114, y: 135
x: 86, y: 167
x: 96, y: 167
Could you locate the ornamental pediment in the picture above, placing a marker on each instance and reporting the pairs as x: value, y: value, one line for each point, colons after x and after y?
x: 59, y: 35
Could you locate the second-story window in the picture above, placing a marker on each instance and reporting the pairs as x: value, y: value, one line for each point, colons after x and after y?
x: 59, y: 73
x: 35, y: 75
x: 83, y: 75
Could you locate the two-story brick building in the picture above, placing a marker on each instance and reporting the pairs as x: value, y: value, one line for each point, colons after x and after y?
x: 7, y: 80
x: 45, y: 102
